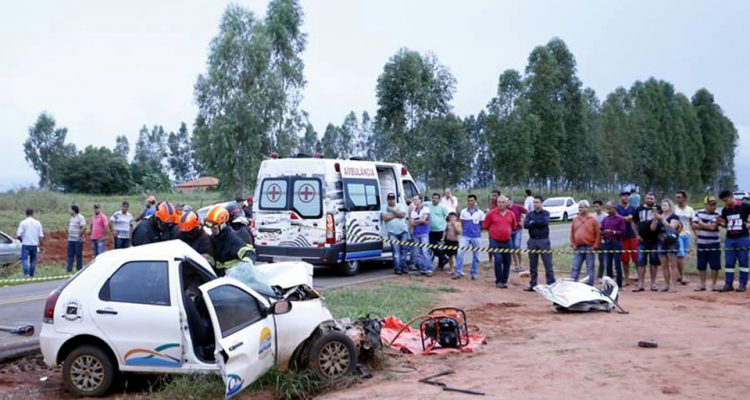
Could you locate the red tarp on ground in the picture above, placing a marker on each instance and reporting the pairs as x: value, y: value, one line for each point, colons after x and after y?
x: 410, y: 341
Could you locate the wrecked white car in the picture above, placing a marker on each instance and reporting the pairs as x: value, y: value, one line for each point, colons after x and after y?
x: 160, y: 308
x: 578, y: 296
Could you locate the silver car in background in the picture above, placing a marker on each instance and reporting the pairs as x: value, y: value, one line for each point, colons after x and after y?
x: 10, y: 249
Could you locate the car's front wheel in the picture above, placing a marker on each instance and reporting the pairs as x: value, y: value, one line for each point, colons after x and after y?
x: 332, y: 357
x: 88, y: 371
x: 565, y: 217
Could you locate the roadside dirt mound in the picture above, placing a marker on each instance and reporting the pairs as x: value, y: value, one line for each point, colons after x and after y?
x: 56, y: 249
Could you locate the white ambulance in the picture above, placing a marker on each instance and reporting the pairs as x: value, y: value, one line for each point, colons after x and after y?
x: 326, y: 211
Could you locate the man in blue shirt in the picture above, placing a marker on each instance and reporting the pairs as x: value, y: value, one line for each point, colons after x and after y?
x: 537, y: 223
x: 471, y: 220
x: 393, y: 215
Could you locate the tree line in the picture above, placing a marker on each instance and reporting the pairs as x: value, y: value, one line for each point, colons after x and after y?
x: 542, y: 128
x: 101, y: 170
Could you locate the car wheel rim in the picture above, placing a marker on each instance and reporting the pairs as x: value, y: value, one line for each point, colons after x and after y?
x: 334, y: 359
x: 353, y: 265
x: 87, y: 373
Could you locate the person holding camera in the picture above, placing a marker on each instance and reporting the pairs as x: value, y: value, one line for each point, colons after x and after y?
x: 666, y: 224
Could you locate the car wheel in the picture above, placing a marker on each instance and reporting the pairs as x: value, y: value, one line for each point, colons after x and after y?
x: 332, y: 357
x: 88, y: 371
x: 565, y: 216
x: 349, y: 268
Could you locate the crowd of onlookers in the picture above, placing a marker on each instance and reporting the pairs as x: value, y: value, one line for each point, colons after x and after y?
x: 616, y: 234
x: 156, y: 222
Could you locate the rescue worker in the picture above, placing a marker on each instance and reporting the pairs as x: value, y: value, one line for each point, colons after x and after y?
x: 192, y: 232
x: 239, y: 223
x: 228, y: 248
x: 158, y: 228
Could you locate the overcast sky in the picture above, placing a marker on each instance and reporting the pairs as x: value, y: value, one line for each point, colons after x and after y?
x: 104, y: 69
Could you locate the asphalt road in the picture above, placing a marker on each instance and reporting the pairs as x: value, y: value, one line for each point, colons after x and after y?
x: 24, y: 304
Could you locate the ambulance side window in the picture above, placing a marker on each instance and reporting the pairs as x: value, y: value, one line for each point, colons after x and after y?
x: 361, y: 195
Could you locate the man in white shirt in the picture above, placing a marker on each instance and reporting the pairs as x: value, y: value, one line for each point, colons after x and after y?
x: 30, y: 234
x: 528, y: 202
x: 449, y: 201
x: 686, y: 215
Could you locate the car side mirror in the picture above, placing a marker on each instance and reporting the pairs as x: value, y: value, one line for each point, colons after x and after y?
x: 280, y: 307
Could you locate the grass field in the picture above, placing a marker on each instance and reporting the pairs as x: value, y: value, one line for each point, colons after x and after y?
x: 51, y: 208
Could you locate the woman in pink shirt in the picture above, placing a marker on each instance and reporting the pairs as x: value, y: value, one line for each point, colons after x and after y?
x: 99, y: 231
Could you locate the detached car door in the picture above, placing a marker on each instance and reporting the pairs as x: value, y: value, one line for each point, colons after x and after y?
x: 245, y: 333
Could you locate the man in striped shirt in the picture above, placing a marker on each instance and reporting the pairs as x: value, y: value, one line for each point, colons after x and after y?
x: 709, y: 242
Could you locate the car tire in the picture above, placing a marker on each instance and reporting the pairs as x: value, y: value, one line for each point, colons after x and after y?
x: 349, y: 268
x: 332, y: 357
x: 565, y: 216
x: 88, y: 371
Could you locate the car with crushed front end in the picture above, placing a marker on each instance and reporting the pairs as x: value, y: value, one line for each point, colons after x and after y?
x: 160, y: 308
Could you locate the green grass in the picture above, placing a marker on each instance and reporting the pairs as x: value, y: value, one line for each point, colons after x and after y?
x: 15, y: 271
x: 404, y: 300
x: 51, y: 208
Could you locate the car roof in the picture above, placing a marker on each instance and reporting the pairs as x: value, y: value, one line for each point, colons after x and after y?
x: 558, y: 198
x: 155, y: 251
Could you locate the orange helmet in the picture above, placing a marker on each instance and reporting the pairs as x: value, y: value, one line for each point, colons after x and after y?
x: 189, y: 221
x: 217, y: 215
x: 164, y: 212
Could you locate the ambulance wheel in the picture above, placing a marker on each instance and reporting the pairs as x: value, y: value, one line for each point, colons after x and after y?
x: 332, y: 357
x: 349, y: 268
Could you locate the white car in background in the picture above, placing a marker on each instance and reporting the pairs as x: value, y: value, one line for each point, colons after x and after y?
x: 10, y: 249
x: 560, y: 208
x: 740, y: 196
x: 160, y: 308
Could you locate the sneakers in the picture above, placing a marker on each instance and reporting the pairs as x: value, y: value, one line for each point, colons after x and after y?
x: 473, y: 277
x: 726, y: 288
x: 517, y: 269
x: 742, y: 289
x: 501, y: 285
x: 454, y: 277
x: 528, y: 289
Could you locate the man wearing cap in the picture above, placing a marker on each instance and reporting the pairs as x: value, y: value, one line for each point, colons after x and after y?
x: 584, y: 238
x: 393, y: 215
x: 121, y: 224
x: 630, y: 240
x: 734, y: 218
x: 99, y: 231
x: 149, y: 210
x: 707, y: 235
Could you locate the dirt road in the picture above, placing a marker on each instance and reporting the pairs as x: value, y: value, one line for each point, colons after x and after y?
x: 533, y: 352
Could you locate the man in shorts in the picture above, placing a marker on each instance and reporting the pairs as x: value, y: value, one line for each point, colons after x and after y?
x: 706, y: 231
x: 686, y: 215
x: 630, y: 240
x: 648, y: 242
x: 734, y: 217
